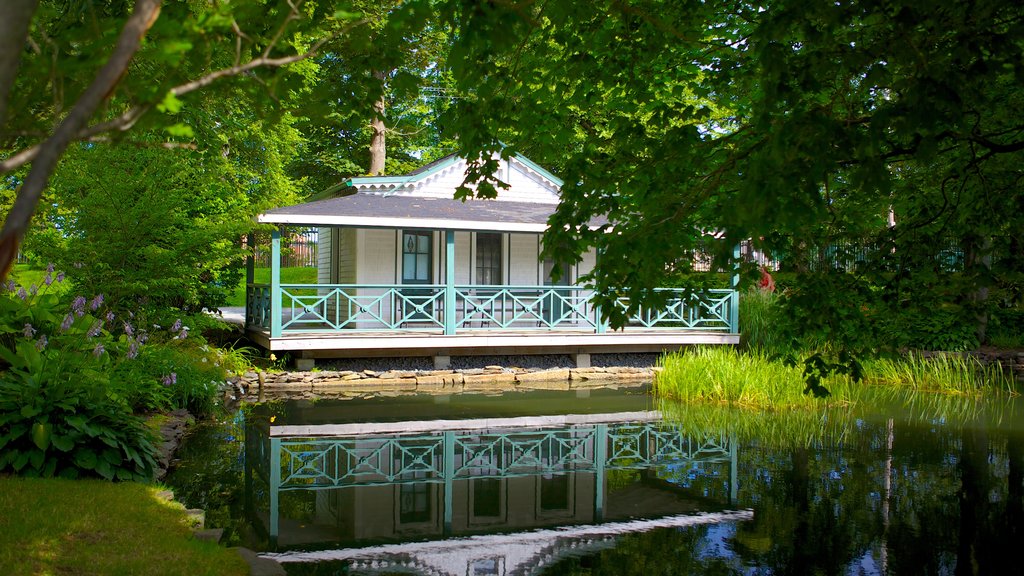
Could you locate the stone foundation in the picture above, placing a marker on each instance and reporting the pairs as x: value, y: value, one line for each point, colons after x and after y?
x: 492, y: 379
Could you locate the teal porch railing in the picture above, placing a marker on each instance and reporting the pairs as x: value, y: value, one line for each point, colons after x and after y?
x: 446, y: 456
x: 422, y: 307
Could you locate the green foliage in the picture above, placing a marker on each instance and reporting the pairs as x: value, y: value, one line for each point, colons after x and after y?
x: 949, y: 373
x: 171, y: 376
x: 751, y: 379
x: 761, y: 322
x: 792, y: 125
x: 155, y: 227
x: 56, y: 415
x: 73, y: 375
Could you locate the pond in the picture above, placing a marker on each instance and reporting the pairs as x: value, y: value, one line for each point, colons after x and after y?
x: 611, y: 481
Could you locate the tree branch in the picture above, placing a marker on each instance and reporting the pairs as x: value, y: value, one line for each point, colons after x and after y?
x: 128, y: 119
x: 16, y: 224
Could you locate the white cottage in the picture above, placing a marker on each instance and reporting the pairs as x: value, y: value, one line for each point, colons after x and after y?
x: 404, y: 268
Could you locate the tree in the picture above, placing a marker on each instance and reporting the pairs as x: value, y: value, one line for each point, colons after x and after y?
x: 828, y: 106
x: 189, y: 48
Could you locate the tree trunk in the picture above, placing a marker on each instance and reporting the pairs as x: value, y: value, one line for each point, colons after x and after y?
x: 978, y: 263
x: 13, y: 34
x: 378, y: 149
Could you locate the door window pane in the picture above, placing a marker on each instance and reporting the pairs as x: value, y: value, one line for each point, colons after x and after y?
x: 488, y: 258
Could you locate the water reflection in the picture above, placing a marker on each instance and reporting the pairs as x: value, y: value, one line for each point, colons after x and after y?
x: 612, y: 484
x: 367, y: 482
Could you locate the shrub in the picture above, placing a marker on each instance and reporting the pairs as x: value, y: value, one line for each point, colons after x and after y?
x: 56, y: 414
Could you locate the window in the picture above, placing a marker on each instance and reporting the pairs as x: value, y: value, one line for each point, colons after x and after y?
x: 416, y: 258
x: 488, y: 258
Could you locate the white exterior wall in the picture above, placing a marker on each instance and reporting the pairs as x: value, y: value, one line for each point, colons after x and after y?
x: 323, y: 255
x: 464, y: 265
x: 523, y: 265
x: 375, y: 263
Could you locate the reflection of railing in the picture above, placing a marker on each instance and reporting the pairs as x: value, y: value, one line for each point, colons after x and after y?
x: 311, y: 463
x: 391, y: 307
x: 443, y: 457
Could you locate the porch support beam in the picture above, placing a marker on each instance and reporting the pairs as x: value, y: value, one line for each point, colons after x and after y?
x: 449, y: 282
x: 275, y: 283
x: 250, y: 277
x: 734, y: 303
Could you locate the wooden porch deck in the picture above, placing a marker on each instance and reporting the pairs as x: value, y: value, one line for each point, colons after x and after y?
x: 362, y: 344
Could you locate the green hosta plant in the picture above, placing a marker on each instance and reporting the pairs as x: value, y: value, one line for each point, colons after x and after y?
x: 57, y: 415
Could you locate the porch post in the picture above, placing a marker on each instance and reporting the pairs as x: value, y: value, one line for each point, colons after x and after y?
x: 250, y: 277
x: 600, y: 326
x: 734, y: 298
x: 449, y: 282
x: 275, y: 283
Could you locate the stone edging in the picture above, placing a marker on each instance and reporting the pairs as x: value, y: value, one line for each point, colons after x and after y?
x: 489, y: 379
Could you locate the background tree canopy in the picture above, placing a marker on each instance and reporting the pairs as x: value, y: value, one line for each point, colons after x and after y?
x: 790, y: 124
x: 807, y: 129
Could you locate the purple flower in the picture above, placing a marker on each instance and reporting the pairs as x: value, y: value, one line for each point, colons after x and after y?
x: 10, y: 286
x: 33, y: 290
x: 29, y: 331
x: 49, y: 268
x: 22, y: 294
x: 176, y: 326
x: 96, y: 302
x: 170, y: 379
x: 78, y: 305
x: 133, y: 350
x: 49, y: 278
x: 128, y: 329
x: 143, y: 336
x: 66, y: 324
x: 98, y: 350
x: 41, y: 343
x: 60, y: 277
x: 110, y: 316
x: 94, y: 330
x: 78, y: 265
x: 183, y: 334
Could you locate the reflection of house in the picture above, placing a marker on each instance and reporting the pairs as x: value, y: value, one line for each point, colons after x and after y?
x: 405, y: 268
x: 436, y: 479
x: 499, y: 554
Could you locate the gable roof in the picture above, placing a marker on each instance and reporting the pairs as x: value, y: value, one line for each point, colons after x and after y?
x: 365, y: 210
x: 421, y: 200
x: 423, y: 173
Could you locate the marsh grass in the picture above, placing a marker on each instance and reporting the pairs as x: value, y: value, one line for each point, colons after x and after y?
x: 722, y: 375
x: 752, y: 379
x: 948, y: 373
x: 760, y: 318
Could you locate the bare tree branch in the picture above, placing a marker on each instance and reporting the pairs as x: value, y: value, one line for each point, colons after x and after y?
x: 144, y: 14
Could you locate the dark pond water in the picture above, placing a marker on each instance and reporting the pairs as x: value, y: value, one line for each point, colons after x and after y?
x: 613, y: 482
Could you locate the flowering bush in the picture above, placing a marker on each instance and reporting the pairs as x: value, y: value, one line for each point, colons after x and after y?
x: 57, y: 413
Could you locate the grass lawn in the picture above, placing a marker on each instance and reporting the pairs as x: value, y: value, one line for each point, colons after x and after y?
x: 27, y: 275
x: 288, y: 276
x: 86, y: 527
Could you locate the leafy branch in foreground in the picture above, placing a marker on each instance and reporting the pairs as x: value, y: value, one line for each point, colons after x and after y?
x: 140, y: 96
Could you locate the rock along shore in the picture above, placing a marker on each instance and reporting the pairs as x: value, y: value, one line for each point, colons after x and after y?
x: 490, y: 379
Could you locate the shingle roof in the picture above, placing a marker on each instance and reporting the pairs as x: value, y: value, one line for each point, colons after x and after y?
x: 372, y: 210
